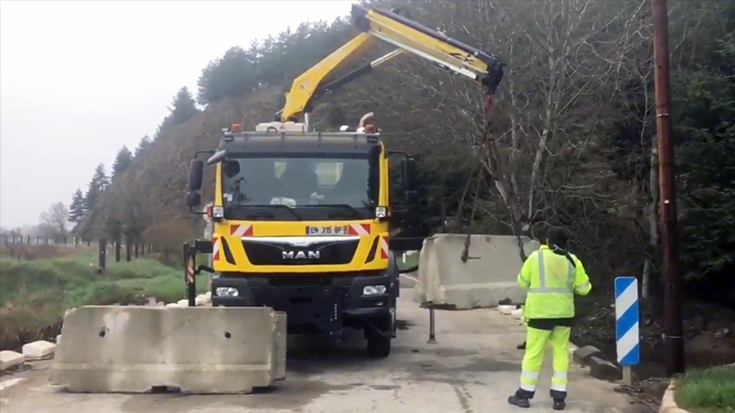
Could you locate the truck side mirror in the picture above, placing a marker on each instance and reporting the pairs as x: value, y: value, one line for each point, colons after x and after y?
x: 193, y: 199
x: 196, y: 175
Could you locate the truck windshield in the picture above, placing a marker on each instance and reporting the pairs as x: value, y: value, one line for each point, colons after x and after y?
x: 311, y: 188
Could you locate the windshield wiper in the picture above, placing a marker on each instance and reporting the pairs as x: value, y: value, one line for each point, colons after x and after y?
x: 279, y: 206
x: 354, y: 212
x: 260, y: 214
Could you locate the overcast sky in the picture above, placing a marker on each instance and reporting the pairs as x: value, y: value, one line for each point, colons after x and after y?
x: 80, y: 79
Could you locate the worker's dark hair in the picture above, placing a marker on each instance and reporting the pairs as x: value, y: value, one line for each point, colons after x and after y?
x: 557, y: 236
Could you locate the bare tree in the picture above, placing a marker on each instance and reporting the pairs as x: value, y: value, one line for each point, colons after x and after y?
x: 55, y: 220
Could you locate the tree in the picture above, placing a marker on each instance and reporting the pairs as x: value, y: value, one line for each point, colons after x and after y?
x: 122, y: 162
x: 181, y: 110
x: 96, y: 187
x: 232, y: 75
x: 54, y: 220
x: 183, y: 107
x: 143, y: 146
x: 77, y: 208
x: 706, y: 148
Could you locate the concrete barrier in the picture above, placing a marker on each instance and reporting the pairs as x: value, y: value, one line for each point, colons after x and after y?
x: 487, y: 279
x: 10, y: 359
x: 38, y: 350
x: 206, y: 350
x: 281, y: 339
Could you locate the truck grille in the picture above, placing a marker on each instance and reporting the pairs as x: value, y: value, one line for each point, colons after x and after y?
x: 318, y: 253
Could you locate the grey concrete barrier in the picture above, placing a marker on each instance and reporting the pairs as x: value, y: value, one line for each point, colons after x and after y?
x: 487, y: 279
x: 205, y: 350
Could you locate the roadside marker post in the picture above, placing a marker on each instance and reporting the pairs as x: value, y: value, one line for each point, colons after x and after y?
x: 627, y: 318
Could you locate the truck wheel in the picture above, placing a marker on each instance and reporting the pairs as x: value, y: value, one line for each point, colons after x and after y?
x: 379, y: 345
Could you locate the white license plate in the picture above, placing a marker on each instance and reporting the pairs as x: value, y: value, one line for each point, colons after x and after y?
x: 327, y: 230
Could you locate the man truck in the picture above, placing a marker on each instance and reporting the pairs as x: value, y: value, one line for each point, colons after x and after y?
x: 303, y: 221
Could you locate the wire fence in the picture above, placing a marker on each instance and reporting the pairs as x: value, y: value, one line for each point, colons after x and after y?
x: 42, y: 240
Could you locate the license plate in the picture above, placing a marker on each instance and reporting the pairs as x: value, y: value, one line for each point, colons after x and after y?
x: 327, y: 230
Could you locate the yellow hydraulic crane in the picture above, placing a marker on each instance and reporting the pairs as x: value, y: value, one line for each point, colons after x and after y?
x: 398, y: 29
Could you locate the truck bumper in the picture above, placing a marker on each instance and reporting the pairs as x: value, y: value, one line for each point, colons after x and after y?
x: 322, y: 304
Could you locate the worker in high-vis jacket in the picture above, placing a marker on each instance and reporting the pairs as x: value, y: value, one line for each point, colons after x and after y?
x: 552, y: 276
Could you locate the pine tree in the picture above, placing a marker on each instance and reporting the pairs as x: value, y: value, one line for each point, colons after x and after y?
x: 143, y: 145
x: 76, y: 208
x: 96, y: 187
x: 122, y: 162
x: 183, y: 107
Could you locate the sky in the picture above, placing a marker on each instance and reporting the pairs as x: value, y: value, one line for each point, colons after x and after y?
x: 78, y: 80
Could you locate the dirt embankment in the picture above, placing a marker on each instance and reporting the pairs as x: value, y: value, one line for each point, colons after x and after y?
x: 709, y: 334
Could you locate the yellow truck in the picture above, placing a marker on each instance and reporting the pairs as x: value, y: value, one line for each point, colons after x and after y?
x: 303, y: 220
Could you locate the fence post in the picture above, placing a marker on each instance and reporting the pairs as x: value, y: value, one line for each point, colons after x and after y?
x: 102, y: 254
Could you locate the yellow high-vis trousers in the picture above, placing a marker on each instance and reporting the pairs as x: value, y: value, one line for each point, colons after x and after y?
x: 533, y: 360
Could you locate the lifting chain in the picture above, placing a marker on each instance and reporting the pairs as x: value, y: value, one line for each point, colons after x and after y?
x: 488, y: 144
x: 466, y: 252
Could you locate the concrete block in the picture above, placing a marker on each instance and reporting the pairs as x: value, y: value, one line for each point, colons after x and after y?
x: 487, y: 280
x: 38, y: 350
x: 604, y: 370
x: 280, y: 341
x: 517, y: 313
x: 202, y: 299
x: 10, y: 359
x: 205, y: 350
x: 506, y: 309
x: 582, y: 355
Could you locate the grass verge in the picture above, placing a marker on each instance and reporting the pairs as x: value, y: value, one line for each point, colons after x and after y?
x: 35, y: 294
x: 707, y: 391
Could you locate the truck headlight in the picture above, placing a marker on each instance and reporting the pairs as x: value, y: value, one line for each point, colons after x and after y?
x: 226, y: 292
x: 370, y: 290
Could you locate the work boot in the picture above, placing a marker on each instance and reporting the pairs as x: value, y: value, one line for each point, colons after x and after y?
x: 519, y: 401
x: 521, y: 346
x: 559, y: 404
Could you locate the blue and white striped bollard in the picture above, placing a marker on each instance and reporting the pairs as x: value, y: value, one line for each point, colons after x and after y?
x: 627, y: 319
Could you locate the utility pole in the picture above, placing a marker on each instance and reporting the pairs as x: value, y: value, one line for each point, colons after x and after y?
x: 673, y: 329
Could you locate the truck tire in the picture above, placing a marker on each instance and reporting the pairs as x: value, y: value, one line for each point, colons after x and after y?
x: 379, y: 345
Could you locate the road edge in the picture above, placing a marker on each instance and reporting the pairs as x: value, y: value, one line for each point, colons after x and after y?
x: 668, y: 404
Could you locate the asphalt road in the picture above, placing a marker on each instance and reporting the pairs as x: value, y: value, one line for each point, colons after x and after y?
x: 472, y: 369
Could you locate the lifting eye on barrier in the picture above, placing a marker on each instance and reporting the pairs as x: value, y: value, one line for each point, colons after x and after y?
x: 227, y: 334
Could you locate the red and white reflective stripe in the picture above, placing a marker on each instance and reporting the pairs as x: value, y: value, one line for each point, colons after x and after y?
x: 359, y: 229
x: 215, y: 248
x: 190, y: 274
x: 384, y: 248
x: 241, y: 230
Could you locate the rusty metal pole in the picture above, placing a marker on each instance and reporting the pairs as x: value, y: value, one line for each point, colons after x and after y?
x: 673, y: 329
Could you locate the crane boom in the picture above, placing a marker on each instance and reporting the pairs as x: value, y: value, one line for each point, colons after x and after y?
x: 409, y: 37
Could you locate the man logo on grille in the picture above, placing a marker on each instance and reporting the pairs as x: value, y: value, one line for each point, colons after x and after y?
x: 300, y: 255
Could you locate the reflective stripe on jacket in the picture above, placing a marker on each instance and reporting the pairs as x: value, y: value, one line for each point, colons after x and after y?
x: 552, y: 279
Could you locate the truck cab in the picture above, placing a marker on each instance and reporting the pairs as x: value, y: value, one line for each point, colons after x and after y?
x: 301, y: 223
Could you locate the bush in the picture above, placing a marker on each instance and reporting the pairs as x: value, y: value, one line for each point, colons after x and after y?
x: 707, y: 391
x: 35, y: 294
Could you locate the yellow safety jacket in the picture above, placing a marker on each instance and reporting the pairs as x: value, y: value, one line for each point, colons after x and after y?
x: 552, y: 279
